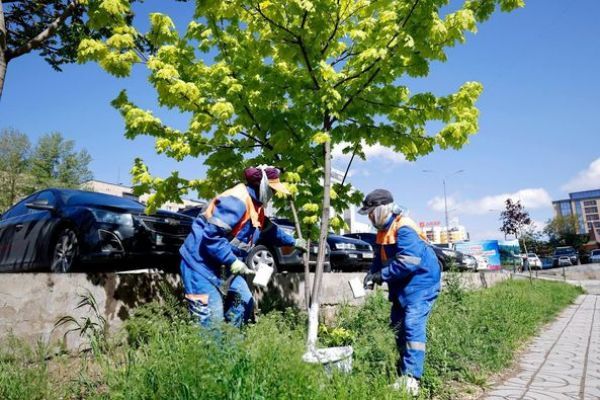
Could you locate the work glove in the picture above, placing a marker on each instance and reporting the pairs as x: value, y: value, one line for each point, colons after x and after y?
x: 240, y: 268
x: 372, y: 279
x: 301, y: 245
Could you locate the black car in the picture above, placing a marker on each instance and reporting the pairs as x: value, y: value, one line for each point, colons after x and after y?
x: 566, y: 255
x: 446, y: 257
x: 349, y: 253
x: 61, y: 229
x: 284, y: 258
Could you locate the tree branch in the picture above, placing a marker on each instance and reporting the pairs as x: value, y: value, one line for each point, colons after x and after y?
x: 272, y: 22
x: 37, y: 41
x: 307, y: 62
x: 335, y: 28
x: 374, y: 74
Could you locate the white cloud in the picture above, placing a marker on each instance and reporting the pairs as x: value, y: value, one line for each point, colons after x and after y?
x: 489, y: 234
x: 587, y: 179
x: 372, y: 152
x: 530, y: 199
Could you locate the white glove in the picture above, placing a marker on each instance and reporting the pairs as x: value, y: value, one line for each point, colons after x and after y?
x: 239, y: 268
x: 301, y: 245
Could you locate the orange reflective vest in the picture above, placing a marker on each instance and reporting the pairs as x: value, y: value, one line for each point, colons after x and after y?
x: 390, y: 235
x: 256, y: 214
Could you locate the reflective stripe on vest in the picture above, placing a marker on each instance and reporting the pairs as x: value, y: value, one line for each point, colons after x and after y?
x: 390, y: 236
x: 239, y: 191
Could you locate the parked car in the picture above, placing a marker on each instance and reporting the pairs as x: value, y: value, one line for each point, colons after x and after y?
x: 563, y: 261
x: 284, y: 257
x: 60, y: 230
x: 568, y: 252
x: 447, y: 257
x: 450, y: 258
x: 192, y: 211
x: 348, y: 253
x: 595, y: 256
x: 531, y: 260
x: 281, y: 258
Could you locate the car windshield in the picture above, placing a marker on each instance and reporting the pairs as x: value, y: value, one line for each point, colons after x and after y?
x: 564, y: 251
x: 596, y: 252
x: 531, y: 255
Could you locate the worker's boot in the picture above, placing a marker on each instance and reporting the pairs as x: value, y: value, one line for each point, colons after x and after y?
x: 407, y: 384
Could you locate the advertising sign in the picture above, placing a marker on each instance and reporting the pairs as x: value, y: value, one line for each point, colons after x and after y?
x: 509, y: 251
x: 486, y: 252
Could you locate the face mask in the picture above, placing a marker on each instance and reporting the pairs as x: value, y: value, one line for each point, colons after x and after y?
x: 380, y: 215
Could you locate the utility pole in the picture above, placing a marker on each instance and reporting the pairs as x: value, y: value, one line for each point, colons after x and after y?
x: 446, y: 207
x: 446, y: 198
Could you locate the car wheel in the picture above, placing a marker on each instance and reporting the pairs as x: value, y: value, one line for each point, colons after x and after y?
x: 261, y: 255
x: 64, y: 251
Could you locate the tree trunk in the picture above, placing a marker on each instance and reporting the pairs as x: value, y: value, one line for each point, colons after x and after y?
x: 313, y: 314
x: 527, y: 260
x: 305, y: 257
x: 3, y: 47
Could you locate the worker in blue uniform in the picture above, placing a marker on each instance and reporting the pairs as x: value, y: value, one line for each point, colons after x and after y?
x: 212, y: 266
x: 407, y: 263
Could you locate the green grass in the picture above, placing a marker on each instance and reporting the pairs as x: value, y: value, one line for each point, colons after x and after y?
x: 163, y: 356
x: 23, y: 372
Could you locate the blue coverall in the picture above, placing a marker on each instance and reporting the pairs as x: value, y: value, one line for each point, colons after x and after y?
x: 410, y: 267
x: 228, y: 230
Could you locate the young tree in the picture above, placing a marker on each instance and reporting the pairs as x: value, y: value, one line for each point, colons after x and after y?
x: 14, y: 153
x: 516, y: 221
x: 281, y: 82
x: 54, y: 162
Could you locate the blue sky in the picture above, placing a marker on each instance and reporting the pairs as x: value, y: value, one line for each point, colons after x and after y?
x: 538, y: 125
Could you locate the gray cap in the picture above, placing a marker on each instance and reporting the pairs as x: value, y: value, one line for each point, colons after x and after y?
x: 377, y: 197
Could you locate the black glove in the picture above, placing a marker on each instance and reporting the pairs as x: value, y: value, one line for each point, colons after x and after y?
x: 372, y: 279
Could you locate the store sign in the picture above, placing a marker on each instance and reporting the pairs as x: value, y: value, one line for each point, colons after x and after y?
x: 429, y: 224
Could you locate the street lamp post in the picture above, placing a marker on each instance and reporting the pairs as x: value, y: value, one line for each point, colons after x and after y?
x: 445, y: 197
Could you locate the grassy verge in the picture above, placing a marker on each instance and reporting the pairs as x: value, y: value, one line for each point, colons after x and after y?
x: 162, y: 356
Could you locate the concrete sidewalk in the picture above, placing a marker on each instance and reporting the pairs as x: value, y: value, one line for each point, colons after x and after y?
x: 563, y: 362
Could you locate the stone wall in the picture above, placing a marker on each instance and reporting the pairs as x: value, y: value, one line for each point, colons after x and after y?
x: 30, y: 304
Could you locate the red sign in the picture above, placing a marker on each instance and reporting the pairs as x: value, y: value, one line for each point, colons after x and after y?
x: 429, y: 224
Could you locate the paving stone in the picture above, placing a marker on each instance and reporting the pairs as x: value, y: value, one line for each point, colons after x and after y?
x: 553, y: 366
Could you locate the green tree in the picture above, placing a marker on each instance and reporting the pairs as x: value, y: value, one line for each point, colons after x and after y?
x: 55, y: 162
x: 563, y: 231
x: 280, y: 82
x: 53, y: 28
x: 14, y: 154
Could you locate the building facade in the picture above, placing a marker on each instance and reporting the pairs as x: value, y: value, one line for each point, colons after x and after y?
x: 445, y: 235
x: 126, y: 191
x: 583, y: 205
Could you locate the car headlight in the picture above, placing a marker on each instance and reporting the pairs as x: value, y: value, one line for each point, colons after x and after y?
x: 110, y: 217
x: 447, y: 253
x: 345, y: 246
